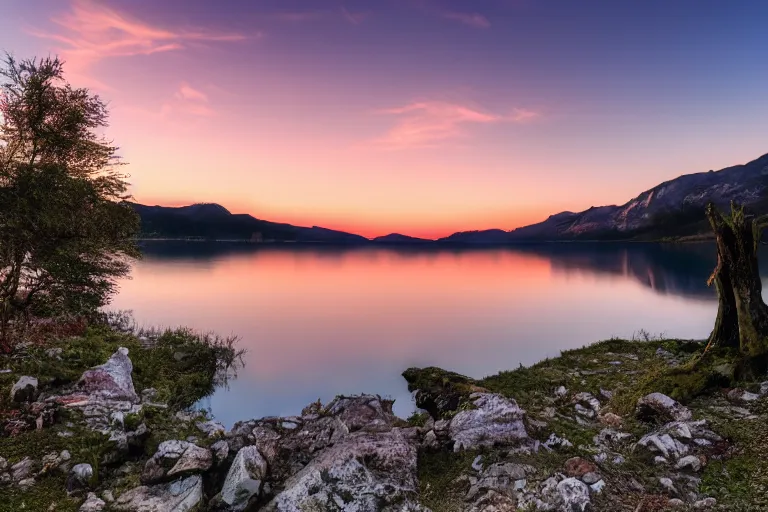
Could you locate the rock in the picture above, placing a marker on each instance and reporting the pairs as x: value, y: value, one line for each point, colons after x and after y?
x: 244, y: 479
x: 660, y: 408
x: 690, y: 461
x: 705, y: 503
x: 554, y: 441
x: 588, y: 413
x: 587, y: 400
x: 659, y: 460
x: 590, y: 478
x: 22, y: 469
x: 668, y: 486
x: 178, y: 496
x: 606, y: 393
x: 561, y: 391
x: 80, y: 477
x: 598, y: 486
x: 496, y: 420
x: 574, y: 493
x: 176, y: 458
x: 764, y: 388
x: 364, y: 471
x: 610, y: 419
x: 26, y: 483
x: 54, y: 353
x: 220, y: 450
x: 477, y: 464
x: 108, y: 496
x: 211, y: 428
x: 676, y: 503
x: 500, y: 478
x: 577, y: 467
x: 430, y: 440
x: 663, y: 444
x: 25, y: 390
x: 111, y: 380
x: 92, y: 504
x: 739, y: 395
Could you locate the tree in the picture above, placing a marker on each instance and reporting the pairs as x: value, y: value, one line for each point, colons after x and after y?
x: 66, y: 230
x: 742, y: 316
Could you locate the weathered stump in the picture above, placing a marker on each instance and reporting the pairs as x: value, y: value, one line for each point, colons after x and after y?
x: 742, y: 316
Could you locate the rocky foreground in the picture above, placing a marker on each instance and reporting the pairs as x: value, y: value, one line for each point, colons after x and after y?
x: 571, y: 441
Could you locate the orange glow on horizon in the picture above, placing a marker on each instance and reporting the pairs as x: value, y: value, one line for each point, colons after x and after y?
x: 371, y: 227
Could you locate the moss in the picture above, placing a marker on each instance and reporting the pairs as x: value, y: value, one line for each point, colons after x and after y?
x: 418, y: 419
x: 438, y: 472
x: 181, y: 380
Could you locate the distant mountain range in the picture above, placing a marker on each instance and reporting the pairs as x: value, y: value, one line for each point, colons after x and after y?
x: 671, y: 210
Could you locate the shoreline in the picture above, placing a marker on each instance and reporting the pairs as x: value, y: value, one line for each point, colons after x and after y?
x: 566, y: 428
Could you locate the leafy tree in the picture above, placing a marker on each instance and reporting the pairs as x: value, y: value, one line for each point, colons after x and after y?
x: 66, y: 230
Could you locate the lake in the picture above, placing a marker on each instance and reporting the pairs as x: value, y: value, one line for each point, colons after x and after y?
x: 320, y: 321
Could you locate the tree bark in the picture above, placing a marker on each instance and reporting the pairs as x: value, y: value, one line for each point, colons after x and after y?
x: 742, y: 316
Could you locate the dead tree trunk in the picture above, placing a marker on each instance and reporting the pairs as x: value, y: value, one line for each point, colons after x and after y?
x: 742, y: 316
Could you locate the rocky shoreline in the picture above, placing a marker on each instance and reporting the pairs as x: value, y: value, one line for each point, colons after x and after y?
x: 566, y: 434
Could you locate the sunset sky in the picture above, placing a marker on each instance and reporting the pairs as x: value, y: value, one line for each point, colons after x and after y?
x: 423, y: 117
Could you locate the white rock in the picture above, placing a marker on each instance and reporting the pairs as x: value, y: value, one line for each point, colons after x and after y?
x: 211, y: 428
x: 111, y: 380
x: 220, y: 450
x: 477, y: 464
x: 92, y: 504
x: 691, y: 461
x: 658, y: 406
x: 561, y: 391
x: 372, y: 470
x: 496, y: 420
x: 245, y: 478
x: 598, y: 486
x: 24, y: 390
x: 575, y: 494
x: 22, y: 469
x: 705, y: 503
x: 667, y: 484
x: 178, y: 496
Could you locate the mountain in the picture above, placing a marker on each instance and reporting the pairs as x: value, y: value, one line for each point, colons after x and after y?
x: 673, y: 209
x: 397, y: 238
x: 214, y: 222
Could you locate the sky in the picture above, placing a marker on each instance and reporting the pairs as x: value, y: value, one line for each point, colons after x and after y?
x: 423, y: 117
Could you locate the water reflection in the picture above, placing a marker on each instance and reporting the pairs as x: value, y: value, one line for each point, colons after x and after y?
x: 318, y: 321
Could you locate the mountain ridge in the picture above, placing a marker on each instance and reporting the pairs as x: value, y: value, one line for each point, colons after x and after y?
x: 673, y: 209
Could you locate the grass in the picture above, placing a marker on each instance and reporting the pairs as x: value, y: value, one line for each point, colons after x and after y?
x: 181, y: 365
x: 739, y: 481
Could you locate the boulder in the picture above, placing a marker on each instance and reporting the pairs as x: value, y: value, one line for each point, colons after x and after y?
x: 575, y: 495
x: 500, y: 478
x: 22, y: 469
x: 178, y: 496
x: 659, y: 408
x: 24, y: 390
x: 364, y: 471
x: 93, y: 504
x: 495, y: 420
x: 80, y: 477
x: 244, y: 479
x: 111, y: 380
x: 174, y: 459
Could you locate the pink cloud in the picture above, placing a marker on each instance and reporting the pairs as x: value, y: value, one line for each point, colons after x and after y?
x: 473, y: 20
x: 431, y: 123
x: 187, y: 92
x: 91, y: 32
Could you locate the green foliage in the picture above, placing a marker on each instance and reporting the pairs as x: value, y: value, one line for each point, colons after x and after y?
x: 66, y: 233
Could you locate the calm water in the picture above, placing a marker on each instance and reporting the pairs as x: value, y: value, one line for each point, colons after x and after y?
x: 319, y: 321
